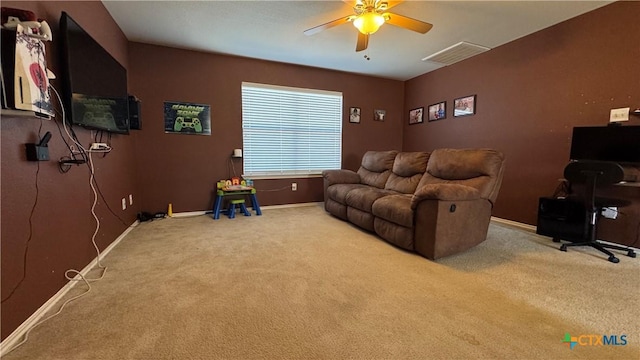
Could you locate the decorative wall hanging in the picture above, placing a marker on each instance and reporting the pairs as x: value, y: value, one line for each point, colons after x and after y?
x: 416, y: 116
x: 354, y: 115
x: 187, y: 118
x: 438, y: 111
x: 464, y: 106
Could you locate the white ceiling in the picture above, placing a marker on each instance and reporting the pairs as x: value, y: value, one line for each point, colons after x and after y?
x: 273, y: 30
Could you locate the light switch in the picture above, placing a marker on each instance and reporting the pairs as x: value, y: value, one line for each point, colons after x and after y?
x: 621, y: 114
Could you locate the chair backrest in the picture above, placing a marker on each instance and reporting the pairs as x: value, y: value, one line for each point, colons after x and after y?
x: 602, y: 172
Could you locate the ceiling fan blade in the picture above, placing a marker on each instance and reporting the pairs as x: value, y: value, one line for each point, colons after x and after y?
x: 408, y: 23
x: 363, y: 41
x: 393, y: 3
x: 330, y: 24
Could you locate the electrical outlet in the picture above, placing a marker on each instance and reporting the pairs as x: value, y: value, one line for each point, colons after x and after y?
x: 124, y: 204
x: 130, y: 199
x: 294, y: 186
x: 621, y: 114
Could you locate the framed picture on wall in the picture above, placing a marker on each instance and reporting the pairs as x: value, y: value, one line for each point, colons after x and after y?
x: 416, y: 116
x: 438, y: 111
x: 354, y: 115
x: 464, y: 106
x: 379, y: 115
x: 187, y: 118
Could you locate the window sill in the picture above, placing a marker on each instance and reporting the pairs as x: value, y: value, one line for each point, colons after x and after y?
x: 276, y: 177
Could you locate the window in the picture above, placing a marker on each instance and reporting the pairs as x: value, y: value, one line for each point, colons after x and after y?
x: 290, y: 131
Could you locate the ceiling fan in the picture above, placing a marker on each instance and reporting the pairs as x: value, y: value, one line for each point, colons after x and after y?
x: 368, y: 16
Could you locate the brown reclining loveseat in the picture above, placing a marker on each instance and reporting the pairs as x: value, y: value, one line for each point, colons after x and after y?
x: 436, y: 204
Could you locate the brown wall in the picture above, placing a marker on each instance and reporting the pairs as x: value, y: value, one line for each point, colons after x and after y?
x: 59, y: 237
x: 167, y: 161
x: 530, y: 94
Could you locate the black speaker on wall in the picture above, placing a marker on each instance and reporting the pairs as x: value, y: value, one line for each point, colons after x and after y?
x: 135, y: 118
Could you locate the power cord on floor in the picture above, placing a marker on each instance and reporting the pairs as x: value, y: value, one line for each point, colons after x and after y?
x: 93, y: 212
x: 268, y: 190
x: 66, y: 274
x: 78, y: 276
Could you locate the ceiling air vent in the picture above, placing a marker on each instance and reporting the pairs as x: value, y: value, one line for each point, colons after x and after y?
x: 458, y: 52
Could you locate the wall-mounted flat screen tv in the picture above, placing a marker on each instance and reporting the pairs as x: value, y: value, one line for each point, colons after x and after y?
x: 619, y: 144
x: 95, y: 84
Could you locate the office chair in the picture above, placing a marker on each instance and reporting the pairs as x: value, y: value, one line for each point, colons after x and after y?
x: 594, y: 174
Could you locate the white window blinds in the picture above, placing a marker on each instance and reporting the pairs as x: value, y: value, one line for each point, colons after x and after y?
x: 290, y: 131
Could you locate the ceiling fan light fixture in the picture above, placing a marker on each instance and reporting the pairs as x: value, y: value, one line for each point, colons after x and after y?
x: 369, y: 22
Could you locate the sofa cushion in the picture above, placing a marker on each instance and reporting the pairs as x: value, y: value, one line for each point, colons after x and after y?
x: 376, y: 167
x: 393, y: 233
x: 340, y: 176
x: 395, y: 209
x: 405, y: 185
x: 336, y: 209
x: 374, y: 179
x: 478, y: 168
x: 407, y: 164
x: 407, y: 171
x: 378, y: 161
x: 360, y: 218
x: 460, y: 164
x: 338, y: 192
x: 364, y: 197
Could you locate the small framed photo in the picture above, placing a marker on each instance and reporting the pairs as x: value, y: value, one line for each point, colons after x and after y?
x: 379, y: 115
x: 416, y: 116
x: 464, y: 106
x: 438, y: 111
x: 354, y: 115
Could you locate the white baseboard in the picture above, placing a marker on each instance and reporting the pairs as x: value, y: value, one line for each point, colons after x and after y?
x: 291, y: 205
x: 519, y: 225
x: 269, y: 207
x: 188, y: 214
x: 17, y: 335
x: 533, y: 229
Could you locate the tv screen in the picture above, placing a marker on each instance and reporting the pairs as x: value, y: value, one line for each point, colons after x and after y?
x: 619, y: 144
x: 95, y: 84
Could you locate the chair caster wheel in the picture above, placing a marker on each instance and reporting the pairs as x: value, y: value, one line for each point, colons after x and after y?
x: 555, y: 240
x: 614, y: 259
x: 631, y: 253
x: 563, y: 248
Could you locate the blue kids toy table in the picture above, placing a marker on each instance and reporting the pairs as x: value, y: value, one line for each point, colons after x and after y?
x: 235, y: 190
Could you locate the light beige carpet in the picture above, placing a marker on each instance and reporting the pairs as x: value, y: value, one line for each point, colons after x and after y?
x: 297, y: 283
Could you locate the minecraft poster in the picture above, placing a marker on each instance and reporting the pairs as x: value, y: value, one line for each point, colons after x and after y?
x: 187, y: 118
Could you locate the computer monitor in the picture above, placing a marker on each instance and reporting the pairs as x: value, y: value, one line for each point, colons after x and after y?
x: 619, y: 144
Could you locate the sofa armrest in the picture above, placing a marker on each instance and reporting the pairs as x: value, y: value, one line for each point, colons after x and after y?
x: 448, y: 192
x: 340, y: 176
